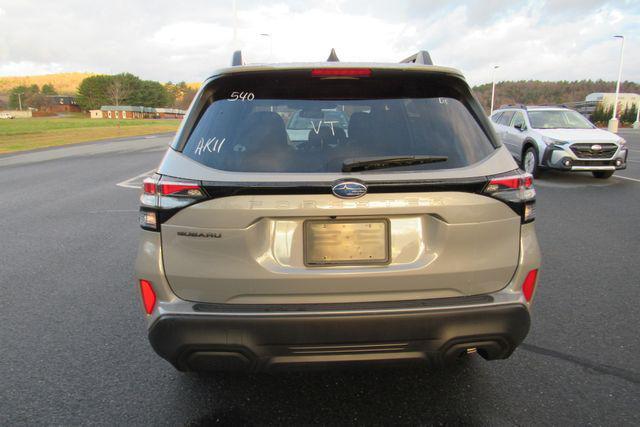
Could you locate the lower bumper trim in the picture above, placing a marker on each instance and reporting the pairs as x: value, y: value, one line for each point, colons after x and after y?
x: 215, y: 342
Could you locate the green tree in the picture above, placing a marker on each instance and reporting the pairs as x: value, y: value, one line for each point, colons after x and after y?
x: 92, y: 92
x: 150, y: 93
x: 598, y: 115
x: 180, y: 95
x: 25, y: 97
x: 121, y: 89
x: 628, y: 116
x: 48, y: 89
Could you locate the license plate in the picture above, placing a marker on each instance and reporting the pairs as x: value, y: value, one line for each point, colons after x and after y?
x: 346, y: 242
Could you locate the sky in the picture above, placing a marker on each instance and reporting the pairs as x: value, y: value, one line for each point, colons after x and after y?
x: 189, y: 39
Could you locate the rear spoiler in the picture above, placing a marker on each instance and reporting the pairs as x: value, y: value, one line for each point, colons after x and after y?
x: 422, y: 57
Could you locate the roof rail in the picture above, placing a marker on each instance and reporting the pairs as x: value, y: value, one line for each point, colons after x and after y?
x: 237, y: 58
x: 333, y: 57
x: 521, y: 106
x: 558, y: 105
x: 422, y: 57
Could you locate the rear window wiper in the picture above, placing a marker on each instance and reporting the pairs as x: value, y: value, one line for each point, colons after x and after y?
x: 369, y: 163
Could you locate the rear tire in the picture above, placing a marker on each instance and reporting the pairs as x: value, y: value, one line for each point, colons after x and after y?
x: 530, y: 162
x: 602, y: 174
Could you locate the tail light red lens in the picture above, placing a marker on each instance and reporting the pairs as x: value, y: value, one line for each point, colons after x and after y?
x: 179, y: 189
x: 162, y: 196
x: 148, y: 296
x: 341, y: 72
x: 516, y: 182
x: 529, y: 284
x: 517, y: 191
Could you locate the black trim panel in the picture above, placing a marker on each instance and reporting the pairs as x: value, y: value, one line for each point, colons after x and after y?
x: 318, y: 307
x: 226, y: 189
x: 219, y: 342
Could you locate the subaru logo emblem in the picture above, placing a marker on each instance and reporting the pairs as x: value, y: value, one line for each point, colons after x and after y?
x: 596, y: 147
x: 349, y: 189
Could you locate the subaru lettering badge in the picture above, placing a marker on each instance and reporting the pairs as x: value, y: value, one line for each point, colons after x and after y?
x: 596, y: 147
x: 349, y: 189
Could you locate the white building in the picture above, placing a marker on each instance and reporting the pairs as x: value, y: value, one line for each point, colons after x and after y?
x: 624, y: 99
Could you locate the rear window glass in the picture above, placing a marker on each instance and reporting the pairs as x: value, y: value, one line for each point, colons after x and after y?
x: 313, y: 125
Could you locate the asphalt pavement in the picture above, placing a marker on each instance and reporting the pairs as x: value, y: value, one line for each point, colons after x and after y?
x: 73, y: 346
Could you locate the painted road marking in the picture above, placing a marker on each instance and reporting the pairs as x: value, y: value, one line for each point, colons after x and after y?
x: 136, y: 181
x: 626, y: 177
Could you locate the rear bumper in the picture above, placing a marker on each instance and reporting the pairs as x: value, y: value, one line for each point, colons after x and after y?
x: 272, y: 340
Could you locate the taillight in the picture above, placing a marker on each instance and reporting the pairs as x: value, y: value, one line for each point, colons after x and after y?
x: 341, y: 72
x: 529, y: 284
x: 148, y: 296
x: 517, y: 191
x: 162, y: 196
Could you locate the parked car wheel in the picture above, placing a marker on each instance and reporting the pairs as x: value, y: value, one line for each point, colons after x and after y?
x: 530, y: 162
x: 602, y: 174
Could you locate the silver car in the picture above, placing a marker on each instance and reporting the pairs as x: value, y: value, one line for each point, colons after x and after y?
x: 406, y: 237
x: 558, y: 138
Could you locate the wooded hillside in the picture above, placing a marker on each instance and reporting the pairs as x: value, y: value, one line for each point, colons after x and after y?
x: 535, y: 92
x: 65, y: 83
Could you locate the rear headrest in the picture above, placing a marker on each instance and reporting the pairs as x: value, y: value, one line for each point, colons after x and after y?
x: 359, y: 125
x: 263, y: 130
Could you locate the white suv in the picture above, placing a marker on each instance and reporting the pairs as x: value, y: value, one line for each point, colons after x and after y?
x: 558, y: 138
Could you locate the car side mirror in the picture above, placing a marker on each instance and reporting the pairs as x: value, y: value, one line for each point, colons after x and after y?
x: 520, y: 126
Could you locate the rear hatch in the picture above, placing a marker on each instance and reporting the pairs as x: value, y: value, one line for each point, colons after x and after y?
x: 303, y: 186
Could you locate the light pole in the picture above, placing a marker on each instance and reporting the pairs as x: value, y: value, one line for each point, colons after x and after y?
x: 613, y: 123
x: 270, y: 43
x: 493, y: 86
x: 235, y: 26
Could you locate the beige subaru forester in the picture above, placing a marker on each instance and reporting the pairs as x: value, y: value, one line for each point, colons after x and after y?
x: 318, y: 214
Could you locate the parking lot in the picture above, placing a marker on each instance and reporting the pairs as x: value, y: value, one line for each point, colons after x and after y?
x: 73, y: 338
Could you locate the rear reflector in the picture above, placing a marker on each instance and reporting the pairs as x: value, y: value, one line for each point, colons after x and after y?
x: 148, y: 296
x: 341, y: 72
x: 529, y: 284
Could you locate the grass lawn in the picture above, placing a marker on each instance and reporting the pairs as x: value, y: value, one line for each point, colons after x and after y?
x: 39, y: 132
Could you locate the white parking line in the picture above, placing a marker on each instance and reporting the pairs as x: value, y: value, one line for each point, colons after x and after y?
x: 626, y: 177
x: 130, y: 183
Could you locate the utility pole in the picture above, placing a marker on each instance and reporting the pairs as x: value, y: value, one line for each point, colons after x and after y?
x: 613, y: 123
x: 19, y: 100
x: 493, y: 86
